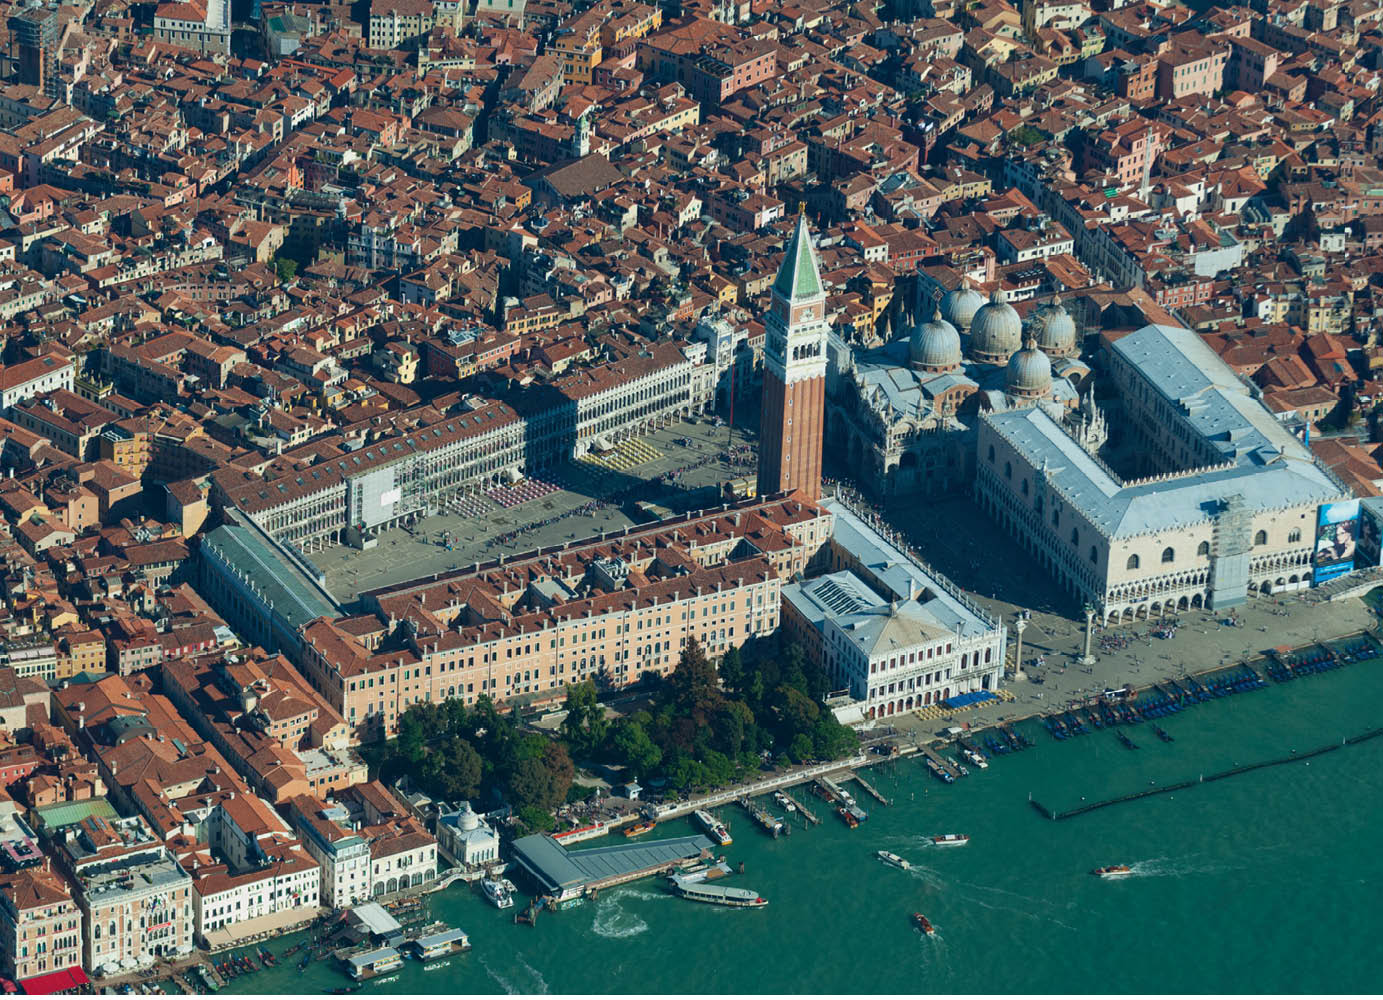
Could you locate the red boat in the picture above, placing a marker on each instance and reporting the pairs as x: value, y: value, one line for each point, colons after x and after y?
x: 846, y: 815
x: 923, y: 924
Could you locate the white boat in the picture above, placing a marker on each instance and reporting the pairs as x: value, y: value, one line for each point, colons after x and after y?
x: 714, y: 828
x: 500, y: 892
x: 950, y: 840
x: 1113, y: 871
x: 976, y: 758
x: 784, y: 802
x: 890, y: 858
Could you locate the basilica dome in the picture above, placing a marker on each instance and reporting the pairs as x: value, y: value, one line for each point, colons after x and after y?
x: 959, y: 305
x: 1054, y: 329
x: 995, y: 333
x: 934, y: 345
x: 1029, y: 373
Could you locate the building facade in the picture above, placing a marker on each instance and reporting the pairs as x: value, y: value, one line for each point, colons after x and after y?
x: 1225, y: 505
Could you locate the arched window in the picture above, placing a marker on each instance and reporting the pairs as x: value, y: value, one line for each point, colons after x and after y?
x: 1094, y: 555
x: 1132, y: 562
x: 1261, y: 538
x: 1294, y: 535
x: 1203, y: 549
x: 1075, y: 536
x: 1023, y: 488
x: 991, y: 453
x: 1008, y: 470
x: 1168, y: 554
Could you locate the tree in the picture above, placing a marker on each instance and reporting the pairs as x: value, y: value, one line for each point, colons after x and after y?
x: 694, y: 684
x: 460, y: 770
x: 633, y: 747
x: 287, y: 269
x: 802, y: 748
x: 585, y: 726
x: 412, y: 739
x: 732, y: 670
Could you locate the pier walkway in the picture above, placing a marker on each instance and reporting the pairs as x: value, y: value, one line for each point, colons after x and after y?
x: 766, y: 786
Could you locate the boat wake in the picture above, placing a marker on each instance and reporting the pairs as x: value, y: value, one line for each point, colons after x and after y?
x: 926, y: 875
x: 504, y: 984
x: 613, y: 921
x: 1165, y: 867
x: 510, y: 987
x: 536, y: 976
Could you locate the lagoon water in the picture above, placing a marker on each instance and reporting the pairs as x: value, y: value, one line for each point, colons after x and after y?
x: 1264, y: 882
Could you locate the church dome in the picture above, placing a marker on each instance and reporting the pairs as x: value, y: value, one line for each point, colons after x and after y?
x: 995, y: 333
x: 1029, y: 373
x: 934, y: 345
x: 959, y: 305
x: 1055, y: 329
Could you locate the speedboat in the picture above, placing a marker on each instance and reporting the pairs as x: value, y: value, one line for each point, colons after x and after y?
x: 923, y: 924
x: 783, y: 801
x: 1112, y: 871
x: 976, y: 758
x: 950, y: 840
x: 889, y: 858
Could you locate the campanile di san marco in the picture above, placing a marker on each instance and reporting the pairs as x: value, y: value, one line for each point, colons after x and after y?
x: 790, y: 427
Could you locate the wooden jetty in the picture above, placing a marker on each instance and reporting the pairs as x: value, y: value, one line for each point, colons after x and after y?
x: 811, y: 817
x: 869, y: 788
x: 940, y: 762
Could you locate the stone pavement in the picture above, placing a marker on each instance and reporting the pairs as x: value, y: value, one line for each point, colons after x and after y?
x: 404, y: 554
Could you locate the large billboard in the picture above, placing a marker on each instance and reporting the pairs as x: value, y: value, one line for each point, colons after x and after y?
x: 1337, y: 540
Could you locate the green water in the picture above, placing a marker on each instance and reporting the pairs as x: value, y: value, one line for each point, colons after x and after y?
x: 1266, y: 882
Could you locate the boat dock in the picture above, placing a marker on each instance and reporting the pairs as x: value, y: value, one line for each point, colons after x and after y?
x: 770, y: 823
x: 811, y: 817
x: 940, y: 761
x: 868, y: 788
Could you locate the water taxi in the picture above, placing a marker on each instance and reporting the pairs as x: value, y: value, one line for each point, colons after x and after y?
x: 923, y: 924
x: 1112, y: 871
x: 889, y: 858
x: 714, y: 828
x: 638, y: 828
x: 950, y: 840
x: 976, y: 758
x: 784, y: 802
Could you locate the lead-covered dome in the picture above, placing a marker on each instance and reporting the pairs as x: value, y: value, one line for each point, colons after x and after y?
x: 1029, y: 373
x: 959, y: 305
x: 995, y: 333
x: 1054, y: 329
x: 934, y: 346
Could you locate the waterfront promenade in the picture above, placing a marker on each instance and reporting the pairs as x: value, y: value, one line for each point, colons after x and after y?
x: 1201, y: 643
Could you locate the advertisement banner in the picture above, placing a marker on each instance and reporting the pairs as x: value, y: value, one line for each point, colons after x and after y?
x: 1337, y: 540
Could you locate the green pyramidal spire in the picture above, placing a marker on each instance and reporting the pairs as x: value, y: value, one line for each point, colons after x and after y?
x: 799, y: 276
